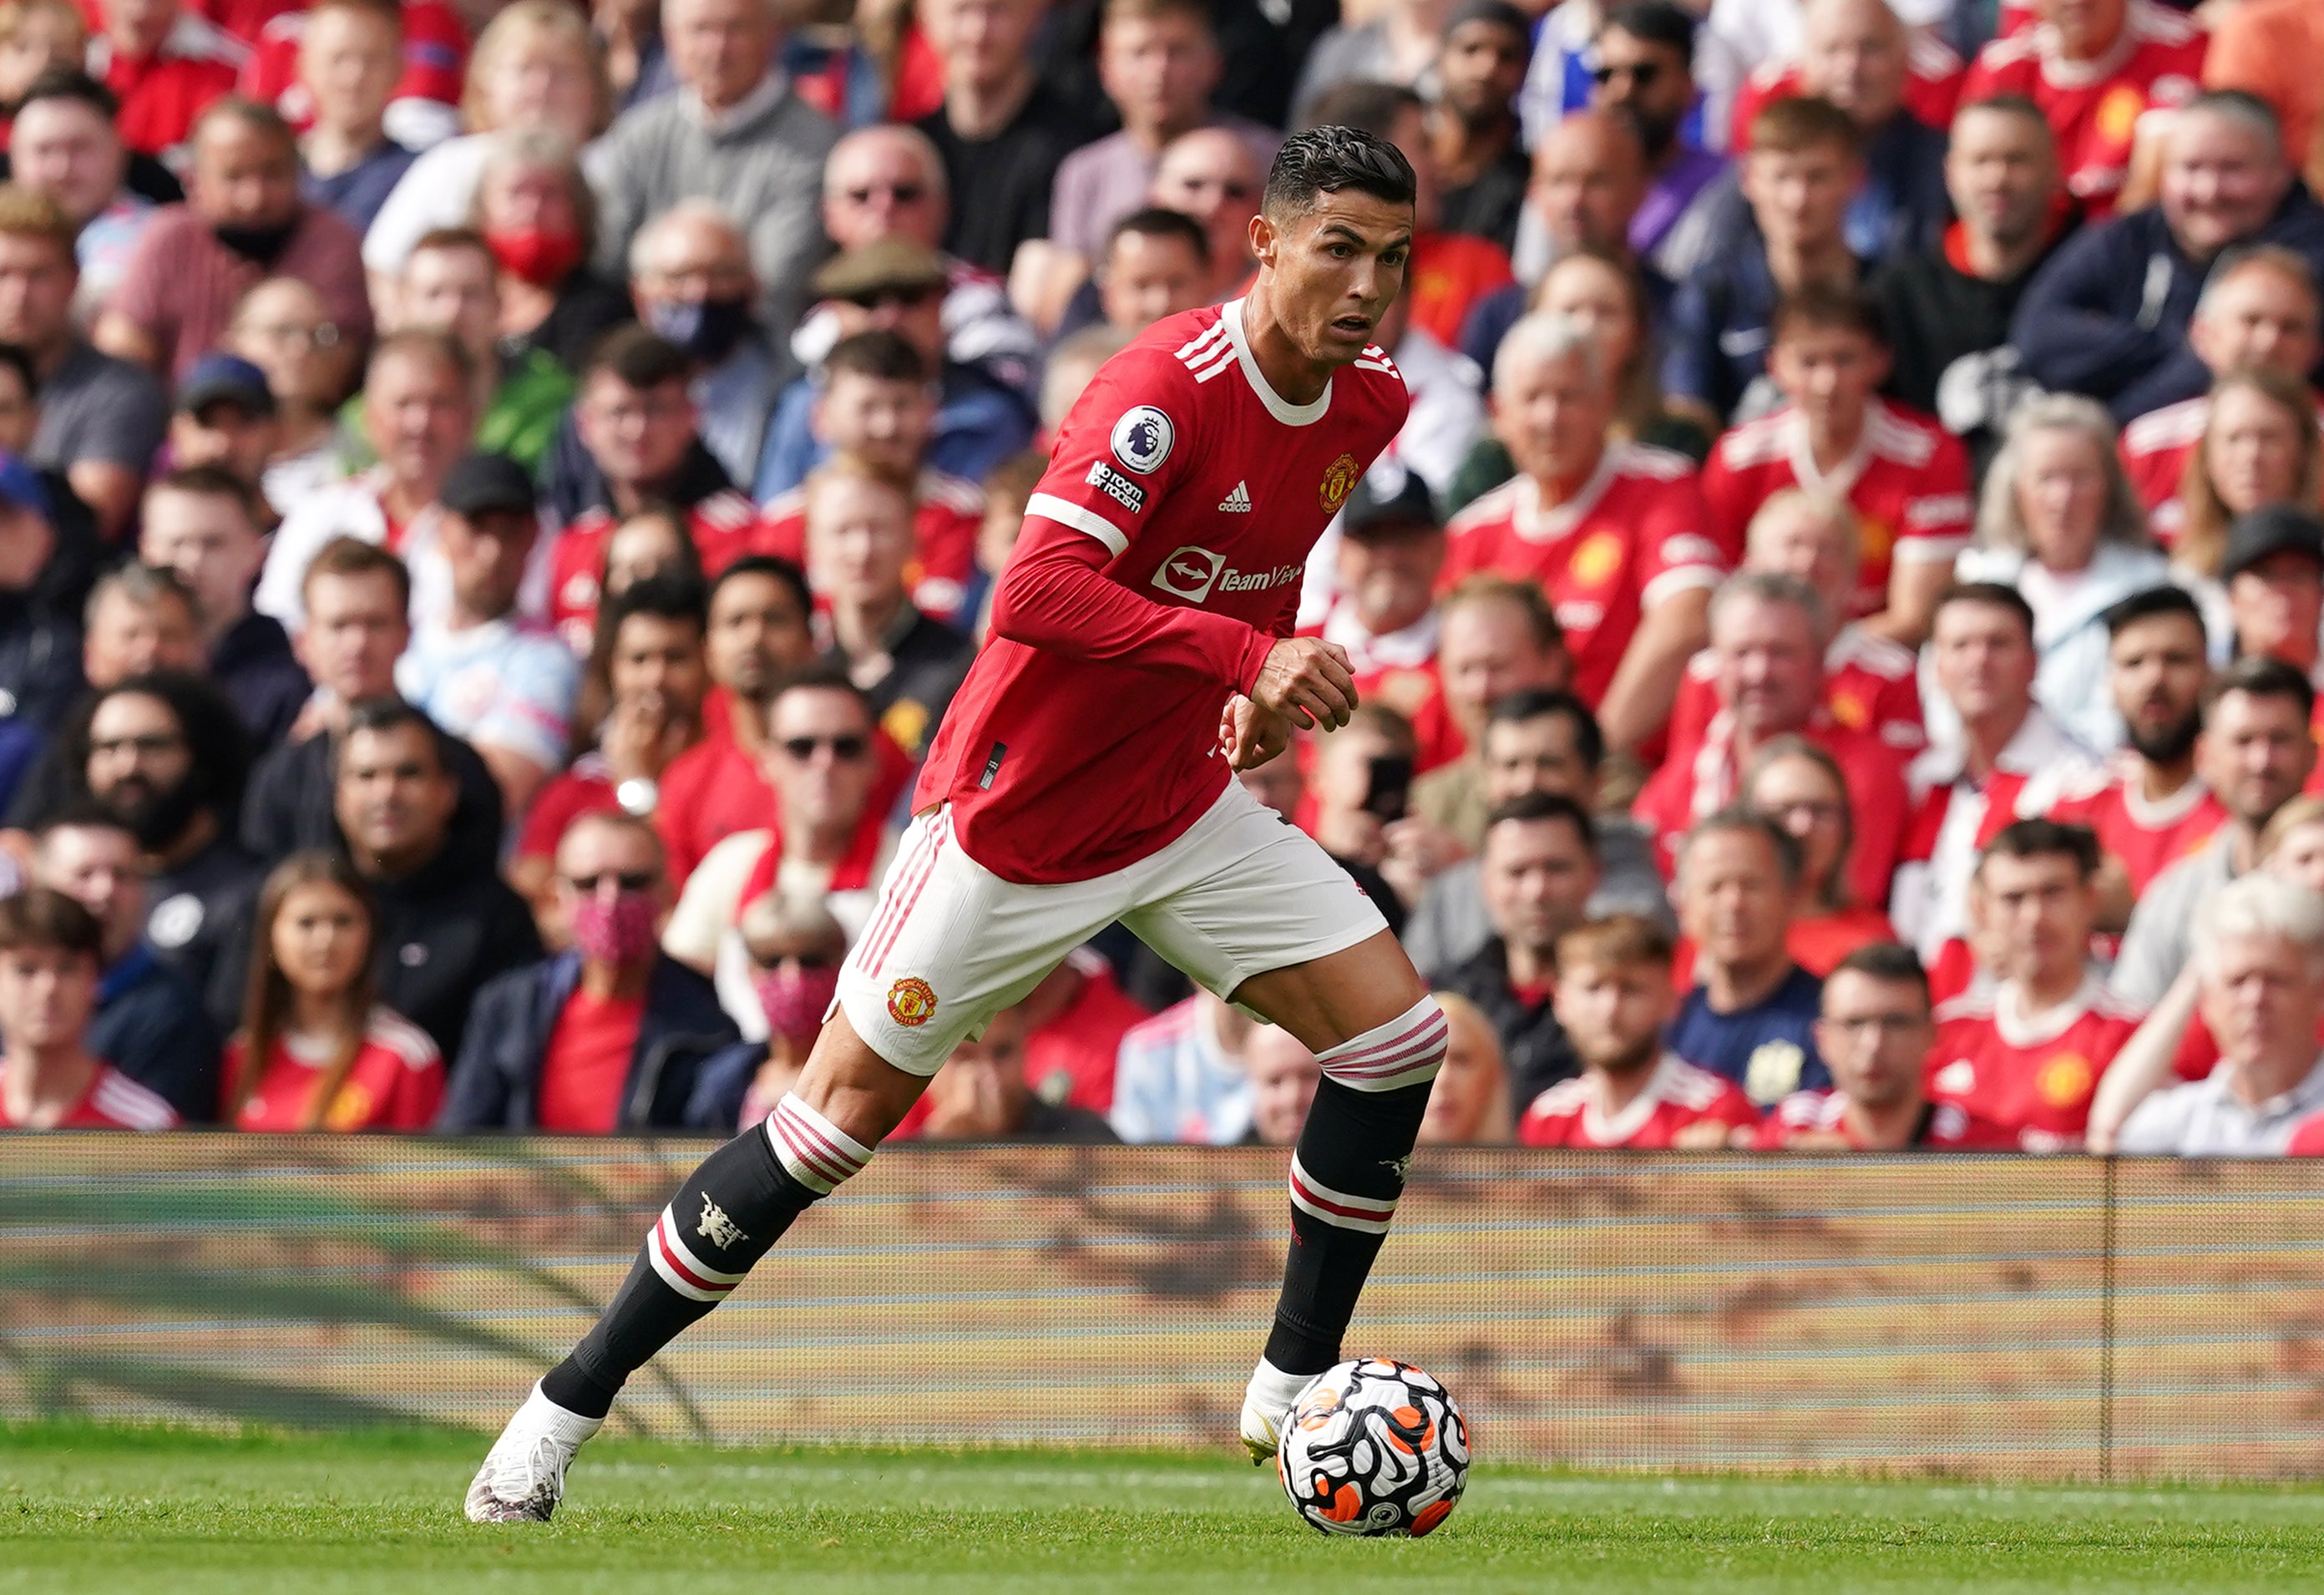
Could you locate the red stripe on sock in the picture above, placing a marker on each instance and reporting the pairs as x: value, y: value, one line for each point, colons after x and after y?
x: 806, y: 1151
x: 678, y: 1264
x: 1375, y: 1215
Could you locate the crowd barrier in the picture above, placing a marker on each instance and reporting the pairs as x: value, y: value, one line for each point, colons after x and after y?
x: 2000, y: 1317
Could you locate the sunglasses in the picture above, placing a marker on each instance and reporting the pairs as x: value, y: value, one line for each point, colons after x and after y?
x: 905, y: 299
x: 802, y: 748
x: 1643, y: 74
x: 901, y: 193
x: 628, y: 881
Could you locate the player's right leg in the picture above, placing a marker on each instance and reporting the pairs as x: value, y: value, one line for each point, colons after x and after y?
x: 949, y: 946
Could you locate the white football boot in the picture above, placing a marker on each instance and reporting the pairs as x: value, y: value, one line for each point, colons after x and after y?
x: 523, y: 1475
x: 1266, y: 1403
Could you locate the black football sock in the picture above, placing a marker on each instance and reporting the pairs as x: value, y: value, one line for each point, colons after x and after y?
x: 724, y: 1219
x: 1347, y: 1172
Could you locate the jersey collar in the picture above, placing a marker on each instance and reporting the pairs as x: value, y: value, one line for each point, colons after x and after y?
x: 1278, y: 406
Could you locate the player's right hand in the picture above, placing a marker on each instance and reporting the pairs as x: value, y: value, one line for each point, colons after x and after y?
x: 1308, y: 682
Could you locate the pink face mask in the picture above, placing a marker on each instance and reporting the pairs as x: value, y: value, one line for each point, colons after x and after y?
x: 618, y: 932
x: 796, y: 1000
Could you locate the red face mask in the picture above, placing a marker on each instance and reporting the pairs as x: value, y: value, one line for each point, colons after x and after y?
x: 535, y: 254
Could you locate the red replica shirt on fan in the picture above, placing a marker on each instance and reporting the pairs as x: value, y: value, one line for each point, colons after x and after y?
x: 2093, y: 107
x: 720, y: 526
x: 2155, y: 449
x: 1678, y: 1094
x: 2147, y: 837
x: 1908, y: 481
x: 950, y: 513
x: 434, y: 58
x: 396, y: 1082
x: 112, y: 1102
x: 1868, y: 685
x: 1933, y: 86
x: 163, y: 95
x: 2031, y: 1074
x: 1160, y: 561
x: 1635, y: 533
x: 1945, y: 1127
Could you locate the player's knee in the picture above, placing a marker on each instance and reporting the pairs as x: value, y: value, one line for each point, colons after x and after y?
x: 1408, y: 1050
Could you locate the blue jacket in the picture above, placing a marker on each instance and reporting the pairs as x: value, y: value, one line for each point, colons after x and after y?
x: 149, y: 1024
x: 495, y: 1085
x: 2107, y: 316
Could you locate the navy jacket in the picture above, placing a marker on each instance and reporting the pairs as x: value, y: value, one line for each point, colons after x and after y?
x: 2107, y: 316
x: 495, y: 1085
x: 149, y: 1025
x: 253, y: 664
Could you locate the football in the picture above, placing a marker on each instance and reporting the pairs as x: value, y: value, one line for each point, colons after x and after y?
x: 1374, y: 1447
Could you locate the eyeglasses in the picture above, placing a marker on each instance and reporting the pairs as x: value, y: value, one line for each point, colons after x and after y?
x: 843, y: 747
x: 1642, y: 73
x: 321, y: 336
x: 150, y: 746
x: 627, y: 879
x: 901, y: 193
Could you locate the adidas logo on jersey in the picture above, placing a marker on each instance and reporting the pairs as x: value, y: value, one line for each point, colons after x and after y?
x: 1236, y: 503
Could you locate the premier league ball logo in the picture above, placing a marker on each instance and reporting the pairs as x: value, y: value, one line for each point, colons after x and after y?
x: 1142, y: 439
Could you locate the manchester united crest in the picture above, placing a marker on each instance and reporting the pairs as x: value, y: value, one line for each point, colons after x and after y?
x: 1340, y: 478
x: 2066, y: 1080
x: 911, y: 1002
x: 1597, y: 560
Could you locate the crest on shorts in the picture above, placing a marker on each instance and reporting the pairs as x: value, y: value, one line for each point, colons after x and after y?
x: 1142, y: 439
x: 911, y: 1002
x: 1340, y: 479
x: 716, y: 1228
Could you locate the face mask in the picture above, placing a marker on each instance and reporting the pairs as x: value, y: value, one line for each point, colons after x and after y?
x: 796, y: 1000
x: 621, y: 932
x: 534, y: 254
x: 708, y: 330
x: 260, y: 246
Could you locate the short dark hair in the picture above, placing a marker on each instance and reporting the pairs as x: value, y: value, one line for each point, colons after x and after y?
x: 667, y: 594
x: 1657, y: 21
x: 19, y: 359
x: 1827, y: 307
x: 2008, y: 105
x: 450, y: 238
x: 880, y: 353
x: 80, y: 814
x: 772, y: 565
x: 70, y: 83
x: 1540, y: 702
x: 40, y: 917
x: 214, y: 733
x: 821, y: 675
x: 2169, y: 598
x: 639, y: 357
x: 1736, y: 820
x: 1991, y: 594
x: 213, y: 481
x: 1531, y: 807
x: 388, y: 714
x: 1155, y: 221
x: 1803, y: 122
x: 429, y: 344
x: 1892, y: 963
x: 1622, y: 940
x: 2043, y: 838
x: 2259, y: 676
x: 1330, y: 156
x: 352, y: 559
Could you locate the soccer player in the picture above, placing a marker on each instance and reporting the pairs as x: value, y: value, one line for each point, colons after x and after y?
x: 1141, y: 653
x: 2025, y: 1051
x: 1614, y: 998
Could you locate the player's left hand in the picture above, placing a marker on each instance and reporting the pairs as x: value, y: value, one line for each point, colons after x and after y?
x: 1250, y: 735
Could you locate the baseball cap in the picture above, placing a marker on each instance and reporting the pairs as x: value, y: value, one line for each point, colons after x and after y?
x: 228, y: 377
x: 482, y: 483
x: 2267, y: 531
x: 1390, y: 497
x: 885, y: 265
x: 20, y: 487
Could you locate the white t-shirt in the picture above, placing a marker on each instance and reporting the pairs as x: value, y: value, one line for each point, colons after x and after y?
x: 502, y: 685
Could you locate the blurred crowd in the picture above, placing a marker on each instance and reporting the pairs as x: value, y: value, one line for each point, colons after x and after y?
x: 496, y: 498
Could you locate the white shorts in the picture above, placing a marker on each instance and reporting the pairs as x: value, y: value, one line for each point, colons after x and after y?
x: 951, y: 944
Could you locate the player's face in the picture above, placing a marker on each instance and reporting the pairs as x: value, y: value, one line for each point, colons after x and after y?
x: 2062, y: 479
x: 1467, y: 1087
x: 1553, y: 415
x: 1614, y: 1013
x: 1283, y: 1076
x: 1335, y: 269
x: 884, y: 422
x: 2157, y: 670
x: 1829, y: 372
x: 2276, y: 605
x: 1538, y: 755
x: 819, y: 759
x: 46, y: 995
x: 2255, y: 449
x: 1800, y: 196
x: 2222, y: 178
x: 1798, y: 539
x: 757, y: 631
x: 1800, y: 795
x: 2255, y: 754
x: 1389, y: 573
x: 2257, y: 316
x: 1769, y: 663
x: 1985, y: 660
x: 355, y: 631
x: 2001, y: 169
x: 1733, y: 900
x: 2260, y: 997
x: 2299, y: 856
x: 322, y: 938
x: 1537, y: 877
x: 1873, y: 1035
x: 2035, y: 914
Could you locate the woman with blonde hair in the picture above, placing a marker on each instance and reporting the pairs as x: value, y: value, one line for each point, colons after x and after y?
x: 535, y: 69
x: 1470, y: 1104
x: 2059, y: 521
x: 315, y: 1050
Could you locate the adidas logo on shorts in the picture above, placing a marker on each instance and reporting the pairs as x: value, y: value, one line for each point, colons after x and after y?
x: 1236, y: 503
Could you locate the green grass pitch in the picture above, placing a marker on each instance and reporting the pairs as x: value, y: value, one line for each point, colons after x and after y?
x: 92, y: 1508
